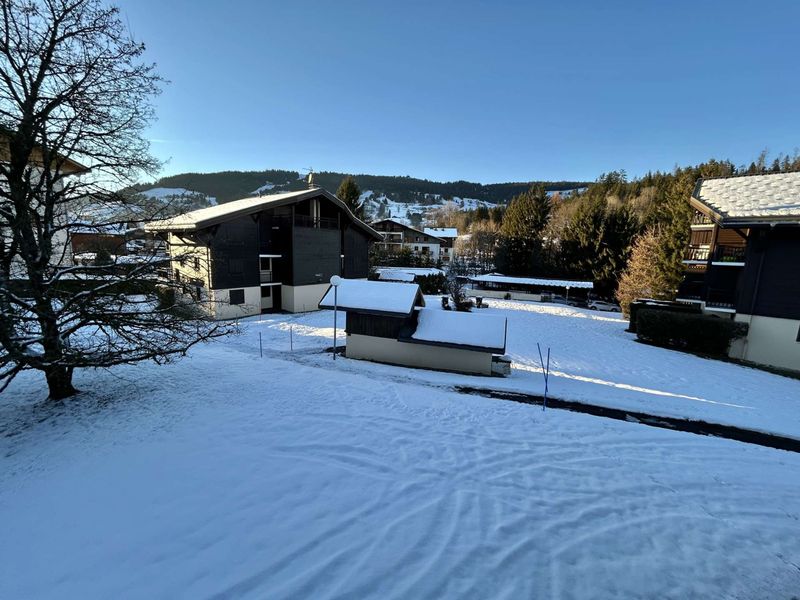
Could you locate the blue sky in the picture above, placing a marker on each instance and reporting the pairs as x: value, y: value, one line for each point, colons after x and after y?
x: 482, y: 91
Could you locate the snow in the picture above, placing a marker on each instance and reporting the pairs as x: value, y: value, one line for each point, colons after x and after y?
x: 381, y: 296
x: 775, y: 195
x: 461, y: 328
x: 442, y: 232
x: 497, y: 278
x: 420, y: 271
x: 264, y: 188
x: 395, y: 275
x: 167, y: 193
x: 295, y: 476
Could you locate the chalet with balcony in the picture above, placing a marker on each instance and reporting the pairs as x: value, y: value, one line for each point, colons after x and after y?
x: 448, y: 235
x: 743, y: 261
x: 397, y: 235
x: 267, y: 253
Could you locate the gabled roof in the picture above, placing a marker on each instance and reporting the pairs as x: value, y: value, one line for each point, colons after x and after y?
x: 442, y: 232
x: 750, y: 199
x: 409, y: 227
x: 374, y: 297
x: 213, y: 215
x: 465, y: 330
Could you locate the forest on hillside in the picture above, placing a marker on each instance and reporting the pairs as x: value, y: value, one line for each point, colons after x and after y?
x: 591, y: 235
x: 232, y: 185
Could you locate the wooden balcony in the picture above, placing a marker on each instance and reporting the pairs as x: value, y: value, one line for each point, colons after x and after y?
x: 696, y: 253
x: 729, y: 254
x: 699, y: 218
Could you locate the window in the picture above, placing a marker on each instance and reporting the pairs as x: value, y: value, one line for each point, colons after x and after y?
x: 196, y: 264
x: 235, y: 266
x: 177, y: 275
x: 416, y: 248
x: 266, y: 291
x: 266, y: 264
x: 237, y: 297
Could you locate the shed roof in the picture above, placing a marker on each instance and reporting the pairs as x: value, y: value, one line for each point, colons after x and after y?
x: 206, y: 217
x: 374, y: 297
x: 460, y: 330
x: 750, y: 199
x: 565, y: 283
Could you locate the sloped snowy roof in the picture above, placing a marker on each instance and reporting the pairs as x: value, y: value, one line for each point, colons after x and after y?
x: 463, y: 329
x: 377, y: 297
x: 496, y: 278
x: 205, y: 217
x: 752, y: 198
x: 442, y: 232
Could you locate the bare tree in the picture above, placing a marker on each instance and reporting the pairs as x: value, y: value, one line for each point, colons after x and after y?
x: 75, y: 99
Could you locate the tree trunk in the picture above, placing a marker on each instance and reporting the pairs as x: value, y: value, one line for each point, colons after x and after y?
x: 59, y: 381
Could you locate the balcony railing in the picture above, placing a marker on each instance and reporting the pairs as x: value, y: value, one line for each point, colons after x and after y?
x: 721, y: 298
x: 696, y: 253
x: 701, y: 219
x: 317, y: 223
x: 265, y: 276
x: 729, y: 254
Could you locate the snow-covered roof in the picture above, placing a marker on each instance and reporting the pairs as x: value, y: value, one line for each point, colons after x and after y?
x: 463, y: 329
x: 419, y: 271
x: 376, y: 297
x: 205, y: 217
x: 406, y: 226
x: 565, y: 283
x: 751, y: 198
x: 393, y: 275
x: 442, y: 232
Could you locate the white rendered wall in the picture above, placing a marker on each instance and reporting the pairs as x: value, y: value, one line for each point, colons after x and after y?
x: 770, y: 341
x: 302, y: 298
x: 222, y: 309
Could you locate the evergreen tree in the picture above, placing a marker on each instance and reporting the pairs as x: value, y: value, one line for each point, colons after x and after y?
x: 350, y: 194
x: 644, y: 277
x: 520, y: 249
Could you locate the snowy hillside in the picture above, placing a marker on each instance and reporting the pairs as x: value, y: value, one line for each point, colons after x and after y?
x: 380, y: 206
x: 232, y: 475
x: 178, y: 200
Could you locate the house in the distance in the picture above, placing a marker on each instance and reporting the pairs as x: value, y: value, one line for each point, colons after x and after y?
x: 743, y: 262
x: 397, y: 235
x: 266, y: 253
x: 389, y: 323
x: 448, y: 235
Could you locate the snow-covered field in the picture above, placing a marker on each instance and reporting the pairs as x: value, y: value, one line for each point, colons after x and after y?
x: 228, y: 475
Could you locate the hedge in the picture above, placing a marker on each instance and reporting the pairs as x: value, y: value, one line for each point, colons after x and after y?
x: 697, y: 333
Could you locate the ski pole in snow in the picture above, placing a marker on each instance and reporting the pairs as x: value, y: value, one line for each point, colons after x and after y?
x: 260, y: 345
x: 545, y: 372
x: 291, y: 338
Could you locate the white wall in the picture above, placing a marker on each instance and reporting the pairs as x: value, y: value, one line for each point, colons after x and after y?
x: 221, y: 308
x: 418, y: 355
x: 302, y: 298
x: 770, y: 341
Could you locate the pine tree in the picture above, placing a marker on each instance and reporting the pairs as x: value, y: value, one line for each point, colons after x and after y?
x: 520, y: 249
x: 350, y: 194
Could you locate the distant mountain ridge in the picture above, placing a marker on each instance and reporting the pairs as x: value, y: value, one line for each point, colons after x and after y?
x: 225, y: 186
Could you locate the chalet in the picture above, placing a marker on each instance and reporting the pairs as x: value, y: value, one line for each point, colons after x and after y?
x: 267, y: 253
x: 389, y: 323
x: 62, y: 167
x: 743, y: 262
x: 448, y: 235
x: 397, y: 235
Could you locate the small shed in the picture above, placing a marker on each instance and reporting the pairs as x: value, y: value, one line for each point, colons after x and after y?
x: 389, y: 323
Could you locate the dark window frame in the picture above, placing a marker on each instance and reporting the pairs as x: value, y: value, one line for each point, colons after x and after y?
x: 234, y: 296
